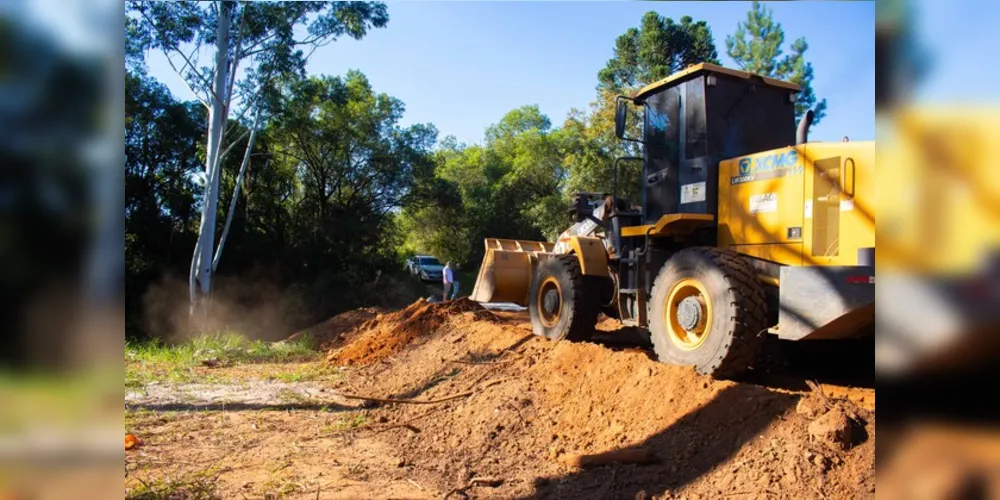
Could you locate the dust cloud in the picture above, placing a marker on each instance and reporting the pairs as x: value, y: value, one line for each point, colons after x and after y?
x: 255, y: 308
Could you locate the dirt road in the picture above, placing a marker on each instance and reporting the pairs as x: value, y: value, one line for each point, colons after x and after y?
x: 449, y: 400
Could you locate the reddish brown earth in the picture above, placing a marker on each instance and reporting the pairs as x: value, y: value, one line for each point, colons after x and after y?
x: 336, y: 330
x: 526, y: 408
x: 387, y: 333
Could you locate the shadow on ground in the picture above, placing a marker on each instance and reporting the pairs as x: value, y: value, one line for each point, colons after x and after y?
x: 782, y: 364
x: 688, y: 449
x: 788, y: 365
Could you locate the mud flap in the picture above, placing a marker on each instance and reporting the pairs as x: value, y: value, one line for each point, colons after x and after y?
x: 825, y: 302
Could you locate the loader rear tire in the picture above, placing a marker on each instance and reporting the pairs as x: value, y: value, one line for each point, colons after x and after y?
x: 708, y: 310
x: 561, y: 304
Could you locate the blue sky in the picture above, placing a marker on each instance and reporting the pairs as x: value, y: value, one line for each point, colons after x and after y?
x: 949, y: 32
x: 463, y: 65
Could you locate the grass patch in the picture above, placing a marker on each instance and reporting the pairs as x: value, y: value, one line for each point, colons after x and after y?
x: 200, y: 486
x: 155, y: 360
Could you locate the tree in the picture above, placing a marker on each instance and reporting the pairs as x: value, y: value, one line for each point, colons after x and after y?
x: 509, y: 187
x: 254, y: 43
x: 756, y: 47
x: 656, y: 49
x: 355, y: 165
x: 590, y: 149
x: 162, y: 137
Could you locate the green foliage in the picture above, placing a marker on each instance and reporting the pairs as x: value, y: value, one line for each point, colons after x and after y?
x: 269, y: 38
x: 317, y: 216
x: 756, y: 46
x: 658, y: 48
x: 590, y: 149
x: 510, y: 187
x: 162, y: 138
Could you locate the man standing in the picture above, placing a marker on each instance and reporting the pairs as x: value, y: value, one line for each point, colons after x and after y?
x: 449, y: 278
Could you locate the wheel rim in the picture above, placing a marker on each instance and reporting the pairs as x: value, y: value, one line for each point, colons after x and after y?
x: 549, y: 301
x: 688, y: 314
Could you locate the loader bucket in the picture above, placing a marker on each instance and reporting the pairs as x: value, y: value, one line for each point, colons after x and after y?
x: 508, y: 265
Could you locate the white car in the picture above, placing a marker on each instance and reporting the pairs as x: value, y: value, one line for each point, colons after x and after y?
x: 427, y: 268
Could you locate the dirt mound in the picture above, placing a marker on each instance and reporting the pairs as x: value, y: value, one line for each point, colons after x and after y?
x: 502, y: 413
x: 386, y: 334
x: 331, y: 333
x: 534, y: 402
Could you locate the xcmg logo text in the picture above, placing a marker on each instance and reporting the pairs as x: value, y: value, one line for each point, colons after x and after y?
x: 768, y: 167
x: 777, y: 161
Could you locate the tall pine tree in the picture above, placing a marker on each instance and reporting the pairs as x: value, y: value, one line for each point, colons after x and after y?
x: 659, y: 47
x: 757, y: 47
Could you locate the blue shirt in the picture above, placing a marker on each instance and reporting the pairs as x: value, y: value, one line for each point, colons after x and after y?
x: 448, y: 276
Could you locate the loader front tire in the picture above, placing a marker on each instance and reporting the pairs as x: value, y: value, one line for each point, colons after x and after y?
x: 560, y: 303
x: 708, y: 310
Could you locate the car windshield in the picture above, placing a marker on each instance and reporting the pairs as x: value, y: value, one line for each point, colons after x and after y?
x: 429, y: 261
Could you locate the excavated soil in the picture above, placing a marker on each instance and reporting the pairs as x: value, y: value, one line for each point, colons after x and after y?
x: 509, y: 415
x: 386, y: 334
x: 331, y: 333
x: 556, y: 399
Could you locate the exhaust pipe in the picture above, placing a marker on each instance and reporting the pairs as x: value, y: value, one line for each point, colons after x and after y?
x: 802, y: 134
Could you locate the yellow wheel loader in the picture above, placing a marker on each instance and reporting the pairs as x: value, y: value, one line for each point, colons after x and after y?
x: 744, y: 229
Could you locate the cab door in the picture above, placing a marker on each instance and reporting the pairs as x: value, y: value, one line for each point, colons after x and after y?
x: 840, y: 190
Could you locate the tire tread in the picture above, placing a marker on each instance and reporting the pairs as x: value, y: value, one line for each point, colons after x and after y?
x: 747, y: 309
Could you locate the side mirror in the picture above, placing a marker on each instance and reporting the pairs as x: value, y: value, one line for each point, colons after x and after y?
x: 620, y: 115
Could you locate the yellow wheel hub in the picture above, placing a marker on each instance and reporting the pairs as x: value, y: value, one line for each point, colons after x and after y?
x: 549, y: 301
x: 688, y: 314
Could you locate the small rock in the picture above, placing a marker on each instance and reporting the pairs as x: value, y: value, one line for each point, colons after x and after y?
x: 401, y: 463
x: 834, y: 429
x: 381, y: 419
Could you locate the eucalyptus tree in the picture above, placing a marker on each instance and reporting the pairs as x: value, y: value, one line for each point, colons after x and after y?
x: 249, y: 46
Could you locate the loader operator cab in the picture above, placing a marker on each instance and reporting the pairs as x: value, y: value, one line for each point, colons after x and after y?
x: 694, y: 119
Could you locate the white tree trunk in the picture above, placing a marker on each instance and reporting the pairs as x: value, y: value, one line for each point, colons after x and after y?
x: 217, y: 119
x: 236, y: 192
